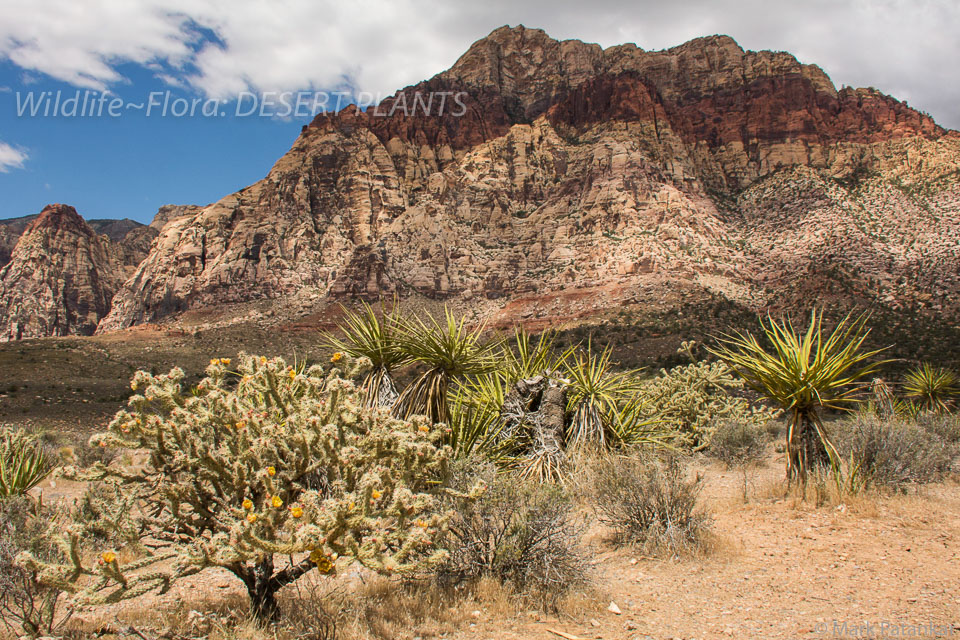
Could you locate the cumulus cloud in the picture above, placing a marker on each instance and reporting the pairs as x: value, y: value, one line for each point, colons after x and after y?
x: 11, y: 157
x: 220, y: 47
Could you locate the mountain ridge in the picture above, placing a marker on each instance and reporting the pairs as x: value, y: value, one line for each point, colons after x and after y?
x: 580, y: 179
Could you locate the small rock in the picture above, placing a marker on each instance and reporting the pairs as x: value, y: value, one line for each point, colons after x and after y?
x: 613, y: 608
x: 594, y: 622
x: 476, y: 613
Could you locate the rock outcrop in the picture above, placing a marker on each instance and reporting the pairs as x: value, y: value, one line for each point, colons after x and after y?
x: 62, y: 273
x: 560, y: 178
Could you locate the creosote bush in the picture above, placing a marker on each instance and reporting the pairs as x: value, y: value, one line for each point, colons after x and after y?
x: 520, y: 532
x: 266, y: 470
x: 651, y: 503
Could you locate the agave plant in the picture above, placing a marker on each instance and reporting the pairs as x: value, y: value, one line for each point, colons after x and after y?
x: 367, y: 335
x: 597, y: 395
x: 804, y: 374
x: 448, y: 350
x: 932, y: 388
x: 23, y: 462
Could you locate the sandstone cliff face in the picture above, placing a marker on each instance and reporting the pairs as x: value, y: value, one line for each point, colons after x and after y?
x: 60, y: 279
x: 580, y: 178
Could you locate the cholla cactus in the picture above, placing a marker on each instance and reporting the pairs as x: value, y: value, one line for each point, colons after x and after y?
x: 695, y: 399
x: 265, y: 460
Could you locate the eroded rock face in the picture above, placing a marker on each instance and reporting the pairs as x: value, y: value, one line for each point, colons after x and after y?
x: 613, y: 173
x: 62, y: 274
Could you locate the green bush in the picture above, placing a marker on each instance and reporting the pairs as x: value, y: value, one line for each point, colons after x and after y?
x: 651, y: 504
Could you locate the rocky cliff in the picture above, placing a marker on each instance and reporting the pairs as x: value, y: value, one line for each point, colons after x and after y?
x: 62, y: 271
x: 577, y: 178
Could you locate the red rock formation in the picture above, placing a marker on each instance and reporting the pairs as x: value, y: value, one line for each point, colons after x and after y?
x: 574, y: 167
x: 62, y: 275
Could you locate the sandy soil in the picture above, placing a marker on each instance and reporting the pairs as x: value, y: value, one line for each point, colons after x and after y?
x: 783, y: 569
x: 780, y: 568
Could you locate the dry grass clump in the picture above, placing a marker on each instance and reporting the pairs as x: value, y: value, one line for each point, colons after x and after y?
x: 896, y: 453
x: 520, y: 533
x: 737, y: 444
x: 652, y: 504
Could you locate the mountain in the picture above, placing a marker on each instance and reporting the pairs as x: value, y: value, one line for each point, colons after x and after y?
x: 579, y: 179
x: 552, y: 181
x: 61, y: 274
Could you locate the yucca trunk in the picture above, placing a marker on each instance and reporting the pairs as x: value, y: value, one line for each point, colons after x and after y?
x: 806, y: 445
x: 426, y: 396
x: 379, y: 390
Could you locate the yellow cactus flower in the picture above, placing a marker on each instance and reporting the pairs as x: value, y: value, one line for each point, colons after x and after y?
x: 324, y: 565
x: 423, y: 428
x: 276, y: 502
x: 351, y: 505
x: 420, y: 523
x: 241, y: 424
x: 108, y: 557
x: 247, y: 504
x: 271, y: 471
x: 252, y: 518
x: 296, y: 512
x: 337, y: 357
x: 376, y: 494
x: 225, y: 361
x: 263, y: 360
x: 292, y: 374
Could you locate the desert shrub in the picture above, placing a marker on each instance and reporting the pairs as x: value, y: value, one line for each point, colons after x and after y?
x: 944, y: 426
x: 27, y: 606
x: 260, y: 463
x: 651, y: 504
x: 24, y: 462
x: 737, y: 443
x: 519, y: 532
x: 695, y: 399
x: 892, y: 453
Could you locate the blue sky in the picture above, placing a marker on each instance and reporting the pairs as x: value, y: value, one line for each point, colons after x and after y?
x: 130, y: 165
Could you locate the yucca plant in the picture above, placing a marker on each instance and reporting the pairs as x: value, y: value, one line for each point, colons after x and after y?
x: 528, y: 357
x: 596, y: 397
x: 932, y: 388
x: 375, y: 337
x: 448, y: 350
x: 23, y: 462
x: 475, y: 423
x: 804, y: 374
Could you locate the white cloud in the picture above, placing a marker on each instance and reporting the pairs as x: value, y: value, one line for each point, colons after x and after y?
x: 11, y: 157
x: 905, y: 48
